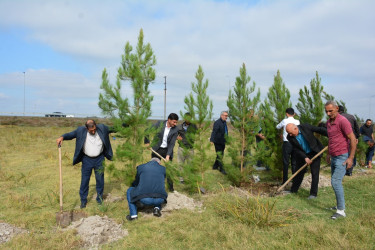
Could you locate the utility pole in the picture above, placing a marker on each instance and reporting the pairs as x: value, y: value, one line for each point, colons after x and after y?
x: 369, y: 107
x: 165, y: 97
x: 24, y: 95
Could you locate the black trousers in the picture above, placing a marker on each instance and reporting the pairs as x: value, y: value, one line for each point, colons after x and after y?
x: 163, y: 152
x: 315, y: 168
x: 219, y: 149
x: 287, y: 150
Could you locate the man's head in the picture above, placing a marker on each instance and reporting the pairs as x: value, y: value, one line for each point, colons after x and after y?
x: 368, y: 122
x: 187, y: 118
x: 172, y: 120
x: 341, y: 109
x: 332, y: 109
x: 91, y: 126
x: 289, y: 112
x: 292, y: 129
x: 224, y: 115
x: 155, y: 159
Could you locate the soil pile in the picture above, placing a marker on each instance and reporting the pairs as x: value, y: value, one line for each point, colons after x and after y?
x: 7, y: 232
x: 96, y: 230
x: 324, y: 181
x: 177, y: 201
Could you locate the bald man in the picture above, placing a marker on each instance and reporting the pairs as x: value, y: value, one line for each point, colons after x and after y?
x: 305, y: 147
x: 92, y: 145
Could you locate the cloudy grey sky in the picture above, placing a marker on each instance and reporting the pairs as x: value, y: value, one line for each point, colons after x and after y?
x: 63, y: 46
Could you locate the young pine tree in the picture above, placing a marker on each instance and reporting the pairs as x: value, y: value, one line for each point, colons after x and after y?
x: 272, y: 112
x: 310, y: 103
x: 199, y: 105
x: 241, y: 114
x: 130, y: 120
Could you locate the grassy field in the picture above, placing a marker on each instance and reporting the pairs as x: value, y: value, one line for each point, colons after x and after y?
x: 29, y: 199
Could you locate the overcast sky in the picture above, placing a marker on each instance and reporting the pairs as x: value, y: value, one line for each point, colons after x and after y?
x: 63, y: 47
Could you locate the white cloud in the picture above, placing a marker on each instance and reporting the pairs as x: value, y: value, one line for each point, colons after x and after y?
x: 335, y: 38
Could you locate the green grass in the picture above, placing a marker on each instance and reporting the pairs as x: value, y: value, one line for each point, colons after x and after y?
x: 29, y: 186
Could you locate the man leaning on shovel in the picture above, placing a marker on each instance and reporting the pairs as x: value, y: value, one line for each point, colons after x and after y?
x: 305, y: 147
x: 92, y: 145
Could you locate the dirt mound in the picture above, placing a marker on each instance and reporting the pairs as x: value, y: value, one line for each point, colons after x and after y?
x: 324, y: 181
x: 177, y: 201
x: 96, y: 230
x: 7, y: 232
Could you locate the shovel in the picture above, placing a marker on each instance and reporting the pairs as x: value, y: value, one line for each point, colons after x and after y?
x: 299, y: 170
x: 63, y: 219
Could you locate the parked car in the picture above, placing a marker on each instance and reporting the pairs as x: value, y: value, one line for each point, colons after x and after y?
x: 56, y: 114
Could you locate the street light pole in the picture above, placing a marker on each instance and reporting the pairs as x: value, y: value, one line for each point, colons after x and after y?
x: 165, y: 96
x: 24, y: 95
x: 369, y: 107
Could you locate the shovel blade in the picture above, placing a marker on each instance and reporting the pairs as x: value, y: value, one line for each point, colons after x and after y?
x: 63, y: 219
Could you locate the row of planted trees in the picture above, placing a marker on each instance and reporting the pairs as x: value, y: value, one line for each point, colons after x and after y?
x: 247, y: 115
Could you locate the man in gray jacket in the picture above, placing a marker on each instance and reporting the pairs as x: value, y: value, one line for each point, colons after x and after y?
x: 92, y: 145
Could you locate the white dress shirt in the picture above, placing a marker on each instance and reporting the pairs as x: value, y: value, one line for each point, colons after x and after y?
x: 285, y: 122
x: 93, y: 146
x: 165, y: 136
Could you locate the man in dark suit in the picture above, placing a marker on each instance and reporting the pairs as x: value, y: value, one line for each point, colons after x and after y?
x: 92, y: 145
x: 306, y: 146
x: 147, y: 189
x: 164, y: 141
x: 219, y: 132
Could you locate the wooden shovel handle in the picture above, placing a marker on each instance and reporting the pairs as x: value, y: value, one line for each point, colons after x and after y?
x: 61, y: 187
x: 158, y: 155
x: 299, y: 170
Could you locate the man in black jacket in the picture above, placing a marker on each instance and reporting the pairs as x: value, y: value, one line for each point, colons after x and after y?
x: 186, y: 133
x: 147, y: 189
x: 305, y: 147
x: 355, y: 127
x: 92, y: 145
x: 219, y: 132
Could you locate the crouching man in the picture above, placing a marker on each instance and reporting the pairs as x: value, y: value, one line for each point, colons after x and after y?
x: 148, y: 189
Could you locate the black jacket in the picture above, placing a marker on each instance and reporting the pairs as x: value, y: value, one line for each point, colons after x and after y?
x: 307, y: 131
x: 353, y: 122
x: 149, y: 182
x: 80, y: 135
x: 187, y: 136
x: 218, y: 132
x: 158, y: 138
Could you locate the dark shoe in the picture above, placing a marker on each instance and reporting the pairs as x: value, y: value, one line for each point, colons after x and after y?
x: 214, y: 168
x: 335, y: 216
x: 130, y: 218
x: 83, y: 205
x: 157, y: 212
x: 311, y: 197
x: 348, y: 174
x: 223, y: 172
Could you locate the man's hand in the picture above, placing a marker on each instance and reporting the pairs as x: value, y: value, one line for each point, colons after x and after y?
x: 147, y: 145
x: 167, y: 158
x: 212, y: 143
x: 348, y: 163
x: 308, y: 161
x: 59, y: 140
x: 179, y: 137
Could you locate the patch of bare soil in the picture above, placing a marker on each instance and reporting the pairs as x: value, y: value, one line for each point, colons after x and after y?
x: 7, y: 232
x: 96, y: 230
x: 324, y: 181
x: 257, y: 189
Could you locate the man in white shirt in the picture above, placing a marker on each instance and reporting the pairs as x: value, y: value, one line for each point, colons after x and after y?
x: 287, y: 148
x: 92, y: 145
x: 164, y: 140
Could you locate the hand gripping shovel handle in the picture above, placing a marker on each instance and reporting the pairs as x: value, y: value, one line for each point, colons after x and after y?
x: 299, y: 170
x: 61, y: 188
x: 158, y: 155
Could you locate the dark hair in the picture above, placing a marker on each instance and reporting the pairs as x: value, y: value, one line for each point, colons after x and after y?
x: 289, y: 111
x: 173, y: 116
x: 368, y: 120
x: 341, y: 109
x: 90, y: 124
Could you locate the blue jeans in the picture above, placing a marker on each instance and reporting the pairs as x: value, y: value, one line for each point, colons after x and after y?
x: 88, y: 164
x: 369, y: 154
x: 337, y: 174
x: 155, y: 202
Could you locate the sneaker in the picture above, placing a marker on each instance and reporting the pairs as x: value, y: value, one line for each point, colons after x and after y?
x: 335, y: 216
x: 332, y: 208
x: 129, y: 218
x: 157, y: 212
x: 311, y: 197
